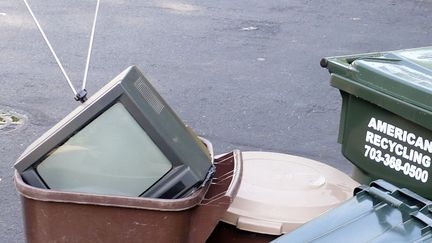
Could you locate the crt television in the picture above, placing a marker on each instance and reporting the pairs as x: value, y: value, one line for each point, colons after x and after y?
x: 125, y: 140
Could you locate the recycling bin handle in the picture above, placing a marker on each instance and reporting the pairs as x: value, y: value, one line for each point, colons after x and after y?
x: 385, y: 59
x: 392, y: 200
x: 385, y: 197
x: 387, y: 192
x: 349, y: 60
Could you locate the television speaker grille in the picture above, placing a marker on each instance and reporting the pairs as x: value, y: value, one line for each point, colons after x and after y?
x: 148, y: 95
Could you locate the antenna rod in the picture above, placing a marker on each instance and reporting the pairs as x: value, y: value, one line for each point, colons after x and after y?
x: 51, y: 49
x: 90, y: 46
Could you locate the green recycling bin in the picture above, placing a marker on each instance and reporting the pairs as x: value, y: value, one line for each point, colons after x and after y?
x: 386, y: 116
x: 380, y: 212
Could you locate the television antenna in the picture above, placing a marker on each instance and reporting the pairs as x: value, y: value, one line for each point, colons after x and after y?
x: 80, y: 95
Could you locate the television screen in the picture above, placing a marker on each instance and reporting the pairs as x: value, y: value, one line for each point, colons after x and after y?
x: 95, y: 148
x: 125, y: 140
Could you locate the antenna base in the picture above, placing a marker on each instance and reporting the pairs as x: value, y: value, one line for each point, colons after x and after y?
x: 81, y: 96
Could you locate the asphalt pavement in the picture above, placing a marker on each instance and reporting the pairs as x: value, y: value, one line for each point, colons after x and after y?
x: 245, y: 74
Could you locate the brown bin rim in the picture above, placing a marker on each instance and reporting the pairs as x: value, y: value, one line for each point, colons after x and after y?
x: 237, y: 172
x: 48, y: 195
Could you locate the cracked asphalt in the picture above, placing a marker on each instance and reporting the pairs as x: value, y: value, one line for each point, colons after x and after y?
x: 245, y: 74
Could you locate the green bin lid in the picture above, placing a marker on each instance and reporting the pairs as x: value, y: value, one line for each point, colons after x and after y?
x: 399, y: 81
x: 380, y: 212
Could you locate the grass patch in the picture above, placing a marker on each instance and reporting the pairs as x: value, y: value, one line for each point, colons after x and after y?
x: 14, y: 119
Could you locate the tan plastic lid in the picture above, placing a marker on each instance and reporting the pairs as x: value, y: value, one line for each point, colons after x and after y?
x: 280, y: 192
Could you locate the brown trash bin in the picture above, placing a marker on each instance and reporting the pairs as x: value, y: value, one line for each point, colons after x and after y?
x: 55, y: 216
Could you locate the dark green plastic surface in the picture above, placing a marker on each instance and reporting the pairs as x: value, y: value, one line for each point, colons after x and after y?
x: 386, y: 116
x: 378, y: 213
x: 399, y: 81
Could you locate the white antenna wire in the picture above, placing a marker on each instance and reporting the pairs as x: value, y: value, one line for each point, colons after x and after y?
x: 90, y: 46
x: 81, y: 95
x: 51, y: 49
